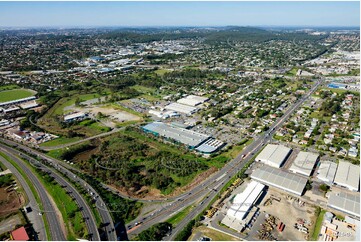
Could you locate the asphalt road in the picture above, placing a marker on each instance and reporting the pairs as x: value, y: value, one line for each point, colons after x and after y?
x: 216, y: 181
x: 82, y: 205
x: 36, y: 220
x: 48, y: 207
x: 65, y: 170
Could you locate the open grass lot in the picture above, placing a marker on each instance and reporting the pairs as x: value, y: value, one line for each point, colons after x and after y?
x: 161, y: 72
x: 14, y: 94
x: 51, y: 121
x: 70, y: 212
x: 141, y: 164
x: 210, y: 233
x: 8, y: 87
x: 340, y: 91
x: 318, y: 225
x: 59, y: 141
x: 174, y: 220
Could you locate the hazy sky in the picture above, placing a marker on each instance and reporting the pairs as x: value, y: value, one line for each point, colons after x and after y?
x: 25, y: 14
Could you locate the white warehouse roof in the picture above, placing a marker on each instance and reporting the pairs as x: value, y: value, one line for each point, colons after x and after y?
x: 274, y: 155
x: 281, y: 179
x: 326, y: 172
x: 304, y: 163
x: 348, y: 203
x: 181, y: 108
x: 243, y: 202
x: 348, y: 175
x: 73, y: 116
x: 192, y: 100
x: 181, y: 135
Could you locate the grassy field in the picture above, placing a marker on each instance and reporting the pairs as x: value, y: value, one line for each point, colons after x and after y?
x: 340, y: 91
x: 51, y: 120
x: 318, y: 225
x: 174, y: 220
x: 8, y: 87
x: 14, y: 94
x: 213, y: 234
x: 161, y: 72
x: 59, y: 141
x: 69, y: 209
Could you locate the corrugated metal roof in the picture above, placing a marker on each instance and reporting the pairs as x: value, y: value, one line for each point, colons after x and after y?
x: 348, y: 175
x: 345, y: 202
x: 326, y: 171
x: 274, y: 155
x: 243, y: 202
x: 304, y: 163
x: 181, y: 135
x: 280, y: 179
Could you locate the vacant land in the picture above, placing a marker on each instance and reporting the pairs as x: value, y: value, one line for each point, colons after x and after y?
x: 103, y: 118
x: 14, y: 94
x: 10, y: 199
x: 139, y: 165
x: 210, y: 233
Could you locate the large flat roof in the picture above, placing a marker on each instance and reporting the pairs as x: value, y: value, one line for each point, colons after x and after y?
x: 281, y: 179
x: 178, y: 107
x: 192, y: 100
x: 304, y: 163
x: 274, y: 155
x: 243, y: 202
x: 326, y: 171
x: 348, y: 203
x: 348, y: 175
x: 181, y: 135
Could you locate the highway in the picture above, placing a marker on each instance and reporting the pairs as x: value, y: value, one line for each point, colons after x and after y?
x: 82, y: 205
x: 216, y: 181
x: 55, y: 227
x: 103, y: 211
x: 36, y: 220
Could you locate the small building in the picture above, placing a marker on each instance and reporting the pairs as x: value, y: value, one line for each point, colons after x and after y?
x: 74, y: 117
x: 348, y: 176
x: 304, y: 163
x: 274, y: 155
x: 19, y: 234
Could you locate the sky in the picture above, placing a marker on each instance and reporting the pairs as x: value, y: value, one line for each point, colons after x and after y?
x: 93, y: 14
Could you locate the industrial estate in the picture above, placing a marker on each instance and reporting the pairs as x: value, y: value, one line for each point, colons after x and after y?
x: 180, y: 133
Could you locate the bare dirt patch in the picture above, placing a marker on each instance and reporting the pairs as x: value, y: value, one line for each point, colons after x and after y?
x: 112, y: 113
x: 10, y: 201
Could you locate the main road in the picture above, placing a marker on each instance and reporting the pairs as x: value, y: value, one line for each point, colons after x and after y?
x: 207, y: 190
x: 37, y: 221
x: 49, y: 210
x: 65, y: 170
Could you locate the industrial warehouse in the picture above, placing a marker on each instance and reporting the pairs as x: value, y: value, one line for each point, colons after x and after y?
x: 327, y: 171
x: 344, y: 202
x: 193, y: 140
x: 192, y: 100
x: 304, y: 163
x: 242, y: 205
x: 274, y: 155
x: 280, y: 179
x: 348, y: 175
